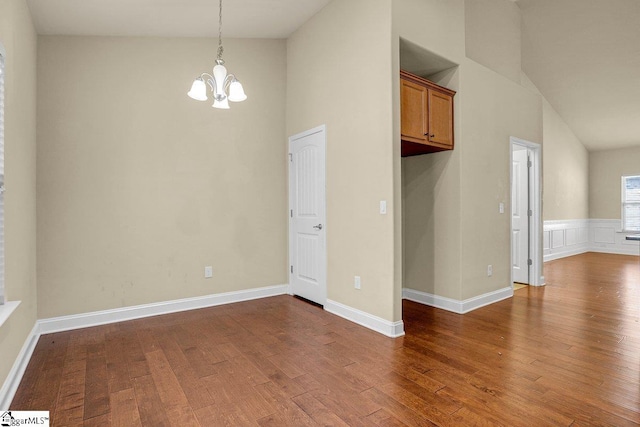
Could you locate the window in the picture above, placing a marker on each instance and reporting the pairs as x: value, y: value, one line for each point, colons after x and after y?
x: 2, y: 56
x: 631, y: 203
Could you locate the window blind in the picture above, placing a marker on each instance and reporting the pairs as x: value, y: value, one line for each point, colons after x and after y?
x: 2, y: 73
x: 631, y: 203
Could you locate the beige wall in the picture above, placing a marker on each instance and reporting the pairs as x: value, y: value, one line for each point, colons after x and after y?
x: 566, y: 170
x: 139, y: 187
x: 452, y: 225
x: 605, y: 171
x: 492, y: 36
x: 493, y: 110
x: 339, y: 74
x: 565, y: 166
x: 430, y: 184
x: 19, y: 39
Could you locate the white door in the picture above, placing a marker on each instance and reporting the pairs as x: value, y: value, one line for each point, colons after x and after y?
x: 307, y: 224
x: 520, y: 215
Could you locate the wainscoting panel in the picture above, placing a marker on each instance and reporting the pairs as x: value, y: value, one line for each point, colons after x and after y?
x: 571, y: 237
x: 565, y: 238
x: 607, y: 237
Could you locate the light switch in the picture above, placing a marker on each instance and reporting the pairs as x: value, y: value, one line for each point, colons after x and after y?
x: 383, y: 207
x: 501, y: 208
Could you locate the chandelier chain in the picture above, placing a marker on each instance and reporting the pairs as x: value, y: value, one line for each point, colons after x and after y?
x: 220, y: 48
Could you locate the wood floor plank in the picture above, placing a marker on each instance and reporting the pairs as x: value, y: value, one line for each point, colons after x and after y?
x: 70, y: 401
x: 286, y: 412
x: 125, y: 409
x: 96, y: 400
x: 567, y: 354
x: 317, y: 411
x: 150, y: 407
x: 171, y: 394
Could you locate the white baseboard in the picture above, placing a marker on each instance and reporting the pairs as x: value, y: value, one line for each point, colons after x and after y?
x: 457, y: 306
x: 85, y: 320
x: 565, y: 238
x: 14, y: 377
x: 378, y: 324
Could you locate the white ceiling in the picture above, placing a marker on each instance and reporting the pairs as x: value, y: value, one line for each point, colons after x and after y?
x: 172, y: 18
x: 583, y: 55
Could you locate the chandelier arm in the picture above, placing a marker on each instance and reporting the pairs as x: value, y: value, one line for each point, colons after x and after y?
x: 211, y: 81
x: 227, y: 82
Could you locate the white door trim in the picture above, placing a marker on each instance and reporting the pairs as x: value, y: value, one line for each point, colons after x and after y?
x: 319, y: 129
x: 535, y: 194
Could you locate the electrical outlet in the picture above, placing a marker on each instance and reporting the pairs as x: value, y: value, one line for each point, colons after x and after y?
x: 489, y: 270
x: 356, y: 282
x: 208, y: 272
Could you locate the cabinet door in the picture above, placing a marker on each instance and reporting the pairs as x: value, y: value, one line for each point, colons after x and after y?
x: 440, y: 118
x: 413, y: 111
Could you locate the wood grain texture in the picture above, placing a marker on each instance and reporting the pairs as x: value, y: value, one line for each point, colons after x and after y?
x: 567, y: 354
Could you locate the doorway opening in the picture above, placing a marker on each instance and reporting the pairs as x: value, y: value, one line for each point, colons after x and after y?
x: 526, y: 210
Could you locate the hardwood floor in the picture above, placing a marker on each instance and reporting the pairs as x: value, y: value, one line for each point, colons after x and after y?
x: 567, y: 354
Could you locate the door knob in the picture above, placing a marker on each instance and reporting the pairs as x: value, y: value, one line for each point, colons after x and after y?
x: 318, y: 227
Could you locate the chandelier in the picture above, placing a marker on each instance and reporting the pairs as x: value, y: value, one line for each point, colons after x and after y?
x: 224, y: 87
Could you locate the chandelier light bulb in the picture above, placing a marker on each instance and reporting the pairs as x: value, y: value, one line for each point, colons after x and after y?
x: 236, y: 92
x: 198, y: 90
x: 222, y: 104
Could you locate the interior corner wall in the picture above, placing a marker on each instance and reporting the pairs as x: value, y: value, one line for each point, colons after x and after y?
x: 339, y: 73
x: 494, y: 110
x: 454, y: 197
x: 606, y: 169
x: 139, y: 187
x: 493, y: 35
x: 566, y: 170
x: 19, y: 39
x: 565, y: 166
x: 430, y: 184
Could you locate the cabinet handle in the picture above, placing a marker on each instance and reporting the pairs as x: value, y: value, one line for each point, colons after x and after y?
x: 432, y: 135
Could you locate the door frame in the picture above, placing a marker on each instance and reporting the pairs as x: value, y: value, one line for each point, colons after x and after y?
x: 536, y: 277
x: 323, y: 130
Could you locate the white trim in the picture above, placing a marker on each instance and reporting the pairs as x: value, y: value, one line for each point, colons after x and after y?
x: 11, y: 383
x: 321, y: 128
x: 375, y: 323
x: 593, y: 235
x: 535, y: 240
x: 457, y: 306
x: 85, y: 320
x: 5, y: 311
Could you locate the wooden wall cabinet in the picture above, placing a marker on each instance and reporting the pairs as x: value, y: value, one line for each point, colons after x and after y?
x: 426, y: 116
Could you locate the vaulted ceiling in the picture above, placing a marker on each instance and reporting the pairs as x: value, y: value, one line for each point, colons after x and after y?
x: 583, y: 55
